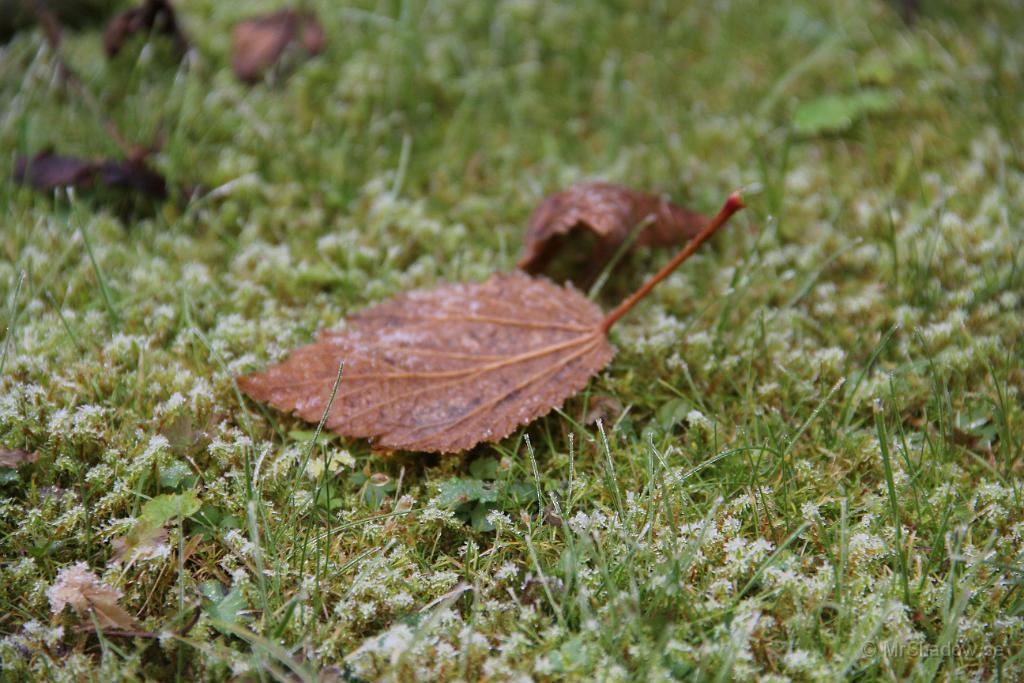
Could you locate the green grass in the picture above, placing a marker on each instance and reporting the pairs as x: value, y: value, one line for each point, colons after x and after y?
x: 809, y: 459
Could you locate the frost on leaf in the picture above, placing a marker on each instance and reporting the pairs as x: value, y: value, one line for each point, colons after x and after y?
x: 86, y: 593
x: 610, y: 212
x: 16, y: 457
x: 143, y: 542
x: 147, y: 540
x: 446, y: 369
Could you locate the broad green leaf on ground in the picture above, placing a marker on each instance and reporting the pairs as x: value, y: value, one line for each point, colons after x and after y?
x: 222, y: 605
x: 610, y: 212
x: 163, y: 508
x: 304, y: 436
x: 175, y: 474
x: 147, y: 539
x: 837, y: 113
x: 474, y: 499
x: 445, y: 369
x: 458, y: 491
x: 485, y: 468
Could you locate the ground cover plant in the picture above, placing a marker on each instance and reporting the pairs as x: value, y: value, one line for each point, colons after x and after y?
x: 803, y: 463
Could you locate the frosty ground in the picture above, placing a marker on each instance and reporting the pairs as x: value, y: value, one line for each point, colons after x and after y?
x: 803, y: 464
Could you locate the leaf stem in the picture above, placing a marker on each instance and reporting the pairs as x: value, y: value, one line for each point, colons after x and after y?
x: 733, y: 204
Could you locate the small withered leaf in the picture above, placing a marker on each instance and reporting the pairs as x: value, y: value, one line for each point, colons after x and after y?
x: 16, y: 457
x: 85, y: 592
x: 259, y: 42
x: 133, y: 175
x: 610, y: 212
x: 47, y: 171
x: 151, y: 16
x: 446, y: 369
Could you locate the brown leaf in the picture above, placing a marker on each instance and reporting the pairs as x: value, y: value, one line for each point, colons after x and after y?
x: 151, y: 16
x: 258, y: 43
x: 443, y: 370
x: 15, y: 457
x: 85, y: 592
x: 550, y: 516
x: 47, y: 171
x: 602, y: 407
x: 611, y: 212
x: 446, y: 369
x: 135, y: 176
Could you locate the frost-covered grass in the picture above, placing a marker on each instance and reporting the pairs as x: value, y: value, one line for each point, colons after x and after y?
x: 808, y: 464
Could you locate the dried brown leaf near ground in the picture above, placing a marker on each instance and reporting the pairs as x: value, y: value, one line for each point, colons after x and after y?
x: 16, y: 457
x: 443, y: 370
x: 151, y: 16
x: 47, y: 171
x: 87, y: 594
x: 133, y: 175
x: 259, y: 43
x: 610, y: 212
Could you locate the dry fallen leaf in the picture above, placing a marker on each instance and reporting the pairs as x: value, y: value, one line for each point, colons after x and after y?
x: 611, y: 212
x: 258, y: 43
x: 443, y: 370
x: 151, y: 16
x: 47, y: 171
x: 603, y: 407
x: 15, y: 457
x: 85, y: 592
x: 133, y: 175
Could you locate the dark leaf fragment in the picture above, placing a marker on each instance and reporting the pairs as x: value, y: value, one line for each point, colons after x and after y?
x: 47, y: 171
x: 135, y: 176
x: 152, y: 16
x: 609, y: 211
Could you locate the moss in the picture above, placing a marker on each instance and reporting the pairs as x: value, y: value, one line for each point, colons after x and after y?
x: 733, y: 517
